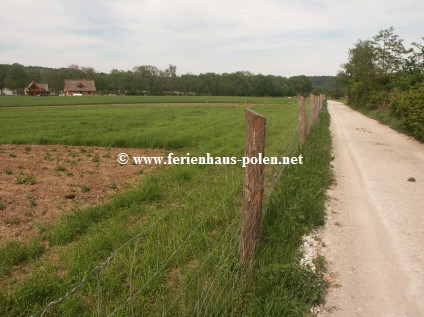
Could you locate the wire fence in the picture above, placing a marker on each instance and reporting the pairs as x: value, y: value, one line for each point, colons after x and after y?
x: 184, y: 261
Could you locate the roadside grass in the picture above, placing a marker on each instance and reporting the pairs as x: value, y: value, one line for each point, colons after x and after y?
x: 297, y: 207
x: 184, y: 260
x: 24, y: 101
x: 342, y: 100
x: 384, y: 116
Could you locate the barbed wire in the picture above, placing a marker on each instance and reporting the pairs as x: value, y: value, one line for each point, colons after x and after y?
x: 76, y: 287
x: 111, y: 256
x: 228, y: 246
x: 131, y: 297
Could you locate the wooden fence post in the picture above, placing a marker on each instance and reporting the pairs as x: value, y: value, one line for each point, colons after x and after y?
x: 301, y: 119
x: 317, y: 108
x: 311, y: 110
x: 318, y: 104
x: 253, y: 187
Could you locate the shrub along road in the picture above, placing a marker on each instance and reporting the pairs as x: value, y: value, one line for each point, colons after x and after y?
x: 374, y: 233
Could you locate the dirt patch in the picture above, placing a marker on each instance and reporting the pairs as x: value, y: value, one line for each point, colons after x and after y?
x: 38, y: 183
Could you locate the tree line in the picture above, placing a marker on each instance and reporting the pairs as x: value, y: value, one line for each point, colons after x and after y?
x: 328, y: 85
x: 149, y: 80
x: 383, y: 74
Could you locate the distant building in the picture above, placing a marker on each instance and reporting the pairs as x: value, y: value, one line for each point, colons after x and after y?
x: 6, y: 92
x: 79, y: 87
x: 37, y: 89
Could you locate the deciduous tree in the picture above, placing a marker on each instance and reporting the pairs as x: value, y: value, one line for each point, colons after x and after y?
x: 389, y: 51
x: 16, y: 78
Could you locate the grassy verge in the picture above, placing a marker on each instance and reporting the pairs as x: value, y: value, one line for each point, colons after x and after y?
x: 183, y: 221
x: 384, y: 116
x: 342, y: 100
x: 280, y: 286
x: 15, y: 252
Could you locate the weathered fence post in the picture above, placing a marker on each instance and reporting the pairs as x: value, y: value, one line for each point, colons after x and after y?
x: 301, y: 119
x: 318, y: 100
x: 320, y: 103
x: 317, y: 108
x: 253, y: 187
x: 311, y: 110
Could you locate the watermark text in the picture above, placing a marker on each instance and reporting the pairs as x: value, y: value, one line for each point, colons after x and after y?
x: 208, y: 159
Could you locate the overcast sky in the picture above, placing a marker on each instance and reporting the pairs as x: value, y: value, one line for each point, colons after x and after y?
x: 286, y: 38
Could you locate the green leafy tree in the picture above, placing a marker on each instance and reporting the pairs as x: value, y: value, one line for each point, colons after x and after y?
x: 102, y: 83
x: 414, y: 64
x: 4, y: 69
x: 382, y: 73
x: 410, y: 108
x: 118, y: 82
x: 147, y: 77
x: 89, y: 72
x: 359, y: 75
x: 389, y: 51
x: 55, y: 78
x: 187, y: 83
x: 73, y: 71
x: 170, y: 78
x: 16, y: 78
x: 300, y: 85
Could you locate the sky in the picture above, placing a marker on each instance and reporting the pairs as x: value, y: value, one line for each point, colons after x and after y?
x: 278, y: 37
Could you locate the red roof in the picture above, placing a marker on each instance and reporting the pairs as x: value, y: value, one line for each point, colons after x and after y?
x: 37, y: 86
x: 79, y: 85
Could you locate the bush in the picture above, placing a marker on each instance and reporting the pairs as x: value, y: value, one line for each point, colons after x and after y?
x: 410, y: 108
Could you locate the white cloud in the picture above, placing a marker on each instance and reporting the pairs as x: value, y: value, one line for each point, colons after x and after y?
x: 269, y: 36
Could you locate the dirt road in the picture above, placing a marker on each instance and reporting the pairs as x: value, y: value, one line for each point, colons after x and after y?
x: 374, y: 235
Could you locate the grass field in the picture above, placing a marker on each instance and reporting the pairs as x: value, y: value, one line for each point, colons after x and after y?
x: 183, y: 221
x: 23, y: 101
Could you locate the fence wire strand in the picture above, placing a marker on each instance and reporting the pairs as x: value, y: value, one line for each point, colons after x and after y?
x: 226, y: 256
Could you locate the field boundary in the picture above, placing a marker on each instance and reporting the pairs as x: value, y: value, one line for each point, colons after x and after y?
x: 225, y: 256
x: 177, y: 104
x: 24, y: 101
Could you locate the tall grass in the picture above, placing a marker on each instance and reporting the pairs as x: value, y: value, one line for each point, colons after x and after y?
x: 280, y: 286
x: 384, y: 116
x: 181, y: 223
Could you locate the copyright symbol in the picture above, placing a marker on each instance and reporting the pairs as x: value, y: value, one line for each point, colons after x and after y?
x: 122, y: 158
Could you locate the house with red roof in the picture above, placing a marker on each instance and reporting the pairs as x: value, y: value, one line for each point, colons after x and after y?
x: 79, y: 87
x: 37, y: 89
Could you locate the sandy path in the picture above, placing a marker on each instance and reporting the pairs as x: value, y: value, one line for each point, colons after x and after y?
x: 375, y: 228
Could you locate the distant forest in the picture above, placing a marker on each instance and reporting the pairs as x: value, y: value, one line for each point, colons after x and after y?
x: 149, y: 80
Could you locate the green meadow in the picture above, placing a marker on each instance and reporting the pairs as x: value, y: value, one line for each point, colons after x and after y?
x: 169, y: 246
x: 24, y: 101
